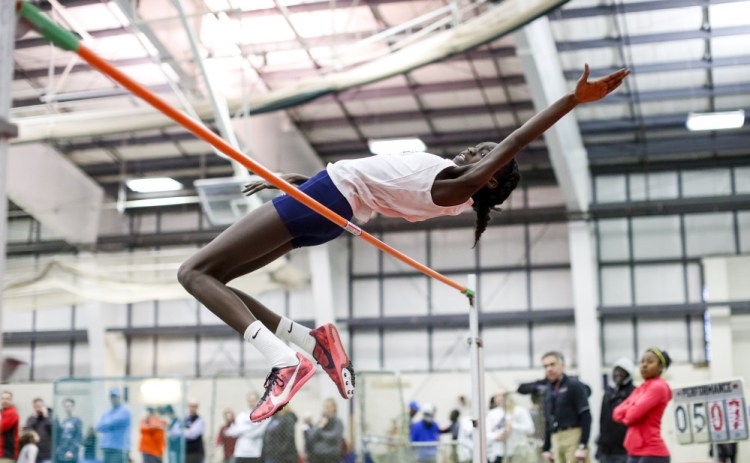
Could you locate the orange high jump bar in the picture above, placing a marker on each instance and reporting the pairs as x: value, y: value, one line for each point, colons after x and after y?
x: 68, y: 41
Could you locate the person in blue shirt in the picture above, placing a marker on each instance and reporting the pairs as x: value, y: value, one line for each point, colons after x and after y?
x: 425, y: 430
x: 69, y: 435
x: 114, y: 427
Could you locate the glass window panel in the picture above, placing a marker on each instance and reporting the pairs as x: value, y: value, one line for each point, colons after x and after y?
x: 178, y: 312
x: 446, y: 299
x: 81, y: 360
x: 503, y: 291
x: 450, y: 351
x: 406, y: 350
x: 709, y: 234
x: 742, y: 179
x: 452, y: 249
x: 659, y: 284
x: 551, y: 289
x: 617, y: 340
x: 176, y: 357
x: 366, y: 350
x: 114, y: 315
x: 698, y: 333
x: 712, y: 182
x: 143, y: 313
x: 21, y: 320
x: 366, y: 298
x: 545, y: 197
x: 659, y: 185
x: 20, y: 231
x: 176, y: 221
x: 364, y: 257
x: 54, y: 319
x: 549, y: 243
x: 743, y: 222
x: 405, y: 296
x: 669, y: 334
x: 616, y: 286
x: 410, y: 243
x: 613, y: 239
x: 301, y: 304
x: 502, y: 246
x: 610, y: 188
x: 219, y: 356
x: 51, y: 361
x: 656, y: 237
x: 695, y: 285
x: 506, y: 347
x: 555, y: 337
x: 142, y: 356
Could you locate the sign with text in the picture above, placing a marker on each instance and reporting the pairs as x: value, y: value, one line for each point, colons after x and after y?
x: 711, y: 413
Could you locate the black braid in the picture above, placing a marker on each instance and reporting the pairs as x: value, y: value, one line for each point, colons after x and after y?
x: 486, y: 199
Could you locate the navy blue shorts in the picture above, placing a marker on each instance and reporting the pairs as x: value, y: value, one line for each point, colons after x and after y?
x: 307, y: 227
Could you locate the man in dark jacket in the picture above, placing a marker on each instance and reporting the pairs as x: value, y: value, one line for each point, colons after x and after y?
x: 41, y: 422
x: 611, y: 449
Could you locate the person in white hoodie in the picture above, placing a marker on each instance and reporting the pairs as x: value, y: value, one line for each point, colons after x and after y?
x: 508, y: 428
x: 249, y: 434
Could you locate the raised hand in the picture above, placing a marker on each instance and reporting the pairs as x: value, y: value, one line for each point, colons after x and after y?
x: 587, y: 92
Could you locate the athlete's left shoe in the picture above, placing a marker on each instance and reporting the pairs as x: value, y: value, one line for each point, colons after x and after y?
x: 330, y: 354
x: 281, y: 385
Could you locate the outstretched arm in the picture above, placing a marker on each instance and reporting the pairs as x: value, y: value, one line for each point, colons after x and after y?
x: 254, y: 187
x: 585, y: 92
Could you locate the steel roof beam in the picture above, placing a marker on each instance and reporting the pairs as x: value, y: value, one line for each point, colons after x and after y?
x: 613, y: 42
x: 620, y: 8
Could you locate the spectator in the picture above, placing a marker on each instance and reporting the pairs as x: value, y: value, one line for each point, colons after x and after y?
x: 643, y: 410
x: 453, y: 429
x: 9, y: 427
x: 566, y: 412
x: 465, y: 440
x: 725, y: 453
x: 191, y: 429
x: 508, y: 428
x: 29, y: 448
x: 114, y: 427
x: 279, y: 445
x: 41, y: 423
x: 425, y: 430
x: 610, y: 443
x: 226, y: 443
x: 153, y: 442
x: 89, y: 447
x: 324, y: 439
x: 174, y: 440
x: 69, y: 435
x: 249, y: 434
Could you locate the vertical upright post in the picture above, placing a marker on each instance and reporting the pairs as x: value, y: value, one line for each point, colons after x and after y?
x: 477, y: 379
x: 7, y: 42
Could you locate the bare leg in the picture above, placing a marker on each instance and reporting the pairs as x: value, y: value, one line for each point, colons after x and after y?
x: 250, y: 243
x: 259, y: 311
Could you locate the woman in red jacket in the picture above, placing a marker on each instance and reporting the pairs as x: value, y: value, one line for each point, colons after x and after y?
x: 642, y: 411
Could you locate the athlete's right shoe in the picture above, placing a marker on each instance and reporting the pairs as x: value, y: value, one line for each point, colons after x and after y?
x: 281, y: 385
x: 330, y: 354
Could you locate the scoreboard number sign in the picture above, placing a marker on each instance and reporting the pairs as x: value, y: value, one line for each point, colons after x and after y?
x: 711, y: 413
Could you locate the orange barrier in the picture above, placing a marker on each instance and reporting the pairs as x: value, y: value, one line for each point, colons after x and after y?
x: 204, y: 133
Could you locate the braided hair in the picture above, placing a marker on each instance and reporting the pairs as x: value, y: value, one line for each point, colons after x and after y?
x: 486, y: 199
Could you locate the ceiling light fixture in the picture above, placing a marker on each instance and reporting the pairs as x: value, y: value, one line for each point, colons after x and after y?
x: 396, y: 145
x: 153, y: 184
x: 716, y: 121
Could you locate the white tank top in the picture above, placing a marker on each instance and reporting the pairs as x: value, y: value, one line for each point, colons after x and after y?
x: 395, y: 185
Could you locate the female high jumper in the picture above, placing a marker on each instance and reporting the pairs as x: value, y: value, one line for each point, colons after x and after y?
x: 415, y: 186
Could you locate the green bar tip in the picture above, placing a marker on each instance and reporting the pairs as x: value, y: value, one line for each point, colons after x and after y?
x: 49, y: 29
x: 468, y: 292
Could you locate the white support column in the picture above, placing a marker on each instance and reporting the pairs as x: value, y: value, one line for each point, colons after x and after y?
x: 588, y: 342
x: 7, y: 41
x: 718, y: 276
